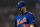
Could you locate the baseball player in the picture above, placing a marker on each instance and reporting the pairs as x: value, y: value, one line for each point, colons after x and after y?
x: 24, y: 18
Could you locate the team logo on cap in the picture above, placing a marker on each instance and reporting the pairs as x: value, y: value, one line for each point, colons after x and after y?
x: 18, y: 3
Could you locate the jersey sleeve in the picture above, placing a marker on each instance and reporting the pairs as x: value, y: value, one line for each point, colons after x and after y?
x: 31, y: 19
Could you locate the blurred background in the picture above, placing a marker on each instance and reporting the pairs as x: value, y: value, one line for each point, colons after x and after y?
x: 8, y: 11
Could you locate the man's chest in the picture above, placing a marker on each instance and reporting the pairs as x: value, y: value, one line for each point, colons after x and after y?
x: 22, y: 20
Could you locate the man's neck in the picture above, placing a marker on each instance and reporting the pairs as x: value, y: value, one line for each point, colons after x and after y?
x: 23, y: 13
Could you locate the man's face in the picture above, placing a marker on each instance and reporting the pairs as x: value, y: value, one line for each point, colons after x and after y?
x: 20, y: 9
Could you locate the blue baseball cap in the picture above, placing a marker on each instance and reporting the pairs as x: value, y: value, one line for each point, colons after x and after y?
x: 21, y: 4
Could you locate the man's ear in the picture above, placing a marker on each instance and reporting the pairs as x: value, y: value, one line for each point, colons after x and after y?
x: 22, y: 7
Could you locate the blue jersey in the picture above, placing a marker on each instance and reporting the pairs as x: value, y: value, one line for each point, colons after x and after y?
x: 24, y: 20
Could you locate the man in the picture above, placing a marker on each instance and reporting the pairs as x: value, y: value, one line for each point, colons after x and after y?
x: 24, y: 18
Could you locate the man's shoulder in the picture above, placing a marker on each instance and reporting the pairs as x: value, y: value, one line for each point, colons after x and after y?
x: 29, y: 13
x: 17, y: 15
